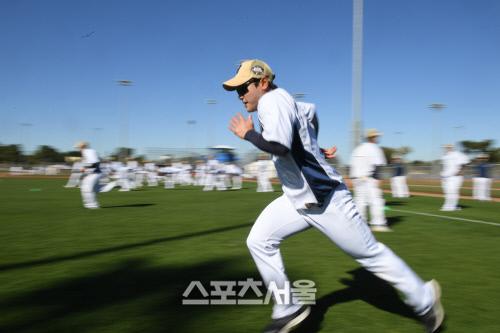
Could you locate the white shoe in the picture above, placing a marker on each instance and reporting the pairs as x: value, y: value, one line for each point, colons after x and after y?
x: 380, y: 228
x: 433, y: 319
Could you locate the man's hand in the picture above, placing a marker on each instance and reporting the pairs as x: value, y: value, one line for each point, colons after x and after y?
x: 329, y: 152
x: 240, y: 126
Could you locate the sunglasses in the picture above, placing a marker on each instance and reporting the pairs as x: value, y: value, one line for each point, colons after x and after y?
x: 243, y: 89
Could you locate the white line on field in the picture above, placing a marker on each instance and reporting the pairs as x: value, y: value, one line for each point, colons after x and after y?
x: 424, y: 185
x: 447, y: 217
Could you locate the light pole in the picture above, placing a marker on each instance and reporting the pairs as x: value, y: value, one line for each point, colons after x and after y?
x: 125, y: 116
x: 458, y: 136
x: 357, y: 71
x: 24, y: 130
x: 436, y: 108
x: 96, y: 139
x: 299, y: 95
x: 189, y: 123
x: 210, y: 130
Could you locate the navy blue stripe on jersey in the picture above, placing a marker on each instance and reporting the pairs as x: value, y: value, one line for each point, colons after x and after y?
x: 317, y: 178
x: 483, y: 171
x: 399, y: 170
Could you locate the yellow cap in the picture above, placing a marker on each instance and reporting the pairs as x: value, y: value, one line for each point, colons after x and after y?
x: 249, y: 69
x: 81, y: 144
x: 372, y: 132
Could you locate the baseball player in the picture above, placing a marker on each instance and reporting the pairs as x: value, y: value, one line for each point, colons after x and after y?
x: 482, y: 181
x: 90, y: 182
x: 314, y: 196
x: 399, y: 187
x: 366, y: 160
x: 263, y: 181
x: 453, y: 162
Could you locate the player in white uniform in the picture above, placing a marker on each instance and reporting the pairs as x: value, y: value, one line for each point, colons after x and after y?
x: 399, y: 187
x: 314, y: 196
x: 452, y: 176
x: 482, y: 181
x: 263, y: 181
x: 366, y: 159
x: 90, y: 182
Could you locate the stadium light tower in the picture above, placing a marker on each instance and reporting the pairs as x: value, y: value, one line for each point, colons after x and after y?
x: 436, y: 108
x: 299, y: 95
x: 357, y: 71
x: 210, y: 130
x: 125, y: 116
x: 96, y: 138
x: 23, y: 132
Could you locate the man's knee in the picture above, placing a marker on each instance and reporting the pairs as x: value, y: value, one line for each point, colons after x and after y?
x: 260, y: 244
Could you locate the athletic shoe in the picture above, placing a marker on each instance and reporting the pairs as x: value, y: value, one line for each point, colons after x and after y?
x: 380, y: 228
x: 288, y: 323
x: 434, y: 318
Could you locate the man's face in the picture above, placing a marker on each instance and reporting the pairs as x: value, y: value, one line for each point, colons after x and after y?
x: 251, y: 92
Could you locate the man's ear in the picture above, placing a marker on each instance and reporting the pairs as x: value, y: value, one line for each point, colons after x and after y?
x: 265, y: 83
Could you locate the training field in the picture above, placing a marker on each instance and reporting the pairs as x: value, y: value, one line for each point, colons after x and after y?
x: 124, y: 268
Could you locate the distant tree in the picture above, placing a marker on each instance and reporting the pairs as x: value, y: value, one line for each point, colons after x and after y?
x: 494, y: 155
x: 47, y: 154
x: 405, y: 150
x: 72, y: 153
x: 122, y: 153
x: 11, y: 153
x: 420, y: 163
x: 477, y: 147
x: 388, y: 153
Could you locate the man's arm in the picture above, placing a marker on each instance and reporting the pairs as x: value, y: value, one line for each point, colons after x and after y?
x: 270, y: 147
x: 243, y: 128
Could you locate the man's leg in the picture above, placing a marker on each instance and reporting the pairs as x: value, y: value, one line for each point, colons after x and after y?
x: 88, y: 190
x: 487, y: 189
x: 446, y: 184
x: 341, y: 222
x: 377, y: 203
x: 277, y: 221
x: 360, y: 196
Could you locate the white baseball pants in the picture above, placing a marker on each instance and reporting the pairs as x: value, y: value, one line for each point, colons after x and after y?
x: 399, y: 187
x: 89, y: 188
x: 368, y: 194
x: 263, y: 183
x: 482, y: 188
x: 340, y: 221
x: 451, y: 188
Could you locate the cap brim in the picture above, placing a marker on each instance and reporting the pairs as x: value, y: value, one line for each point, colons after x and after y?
x: 235, y: 82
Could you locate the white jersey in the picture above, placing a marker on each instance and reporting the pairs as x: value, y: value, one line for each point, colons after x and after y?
x: 90, y: 160
x: 305, y: 176
x: 452, y: 163
x: 89, y: 156
x: 364, y: 160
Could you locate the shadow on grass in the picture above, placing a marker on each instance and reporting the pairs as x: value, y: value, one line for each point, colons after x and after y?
x: 91, y: 253
x: 362, y: 286
x: 393, y: 220
x: 395, y: 203
x: 130, y: 205
x: 136, y: 297
x: 132, y: 296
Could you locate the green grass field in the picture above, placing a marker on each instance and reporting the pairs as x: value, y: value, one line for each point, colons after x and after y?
x: 123, y: 268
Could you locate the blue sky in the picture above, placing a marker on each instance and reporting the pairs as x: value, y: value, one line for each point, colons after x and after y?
x: 60, y: 61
